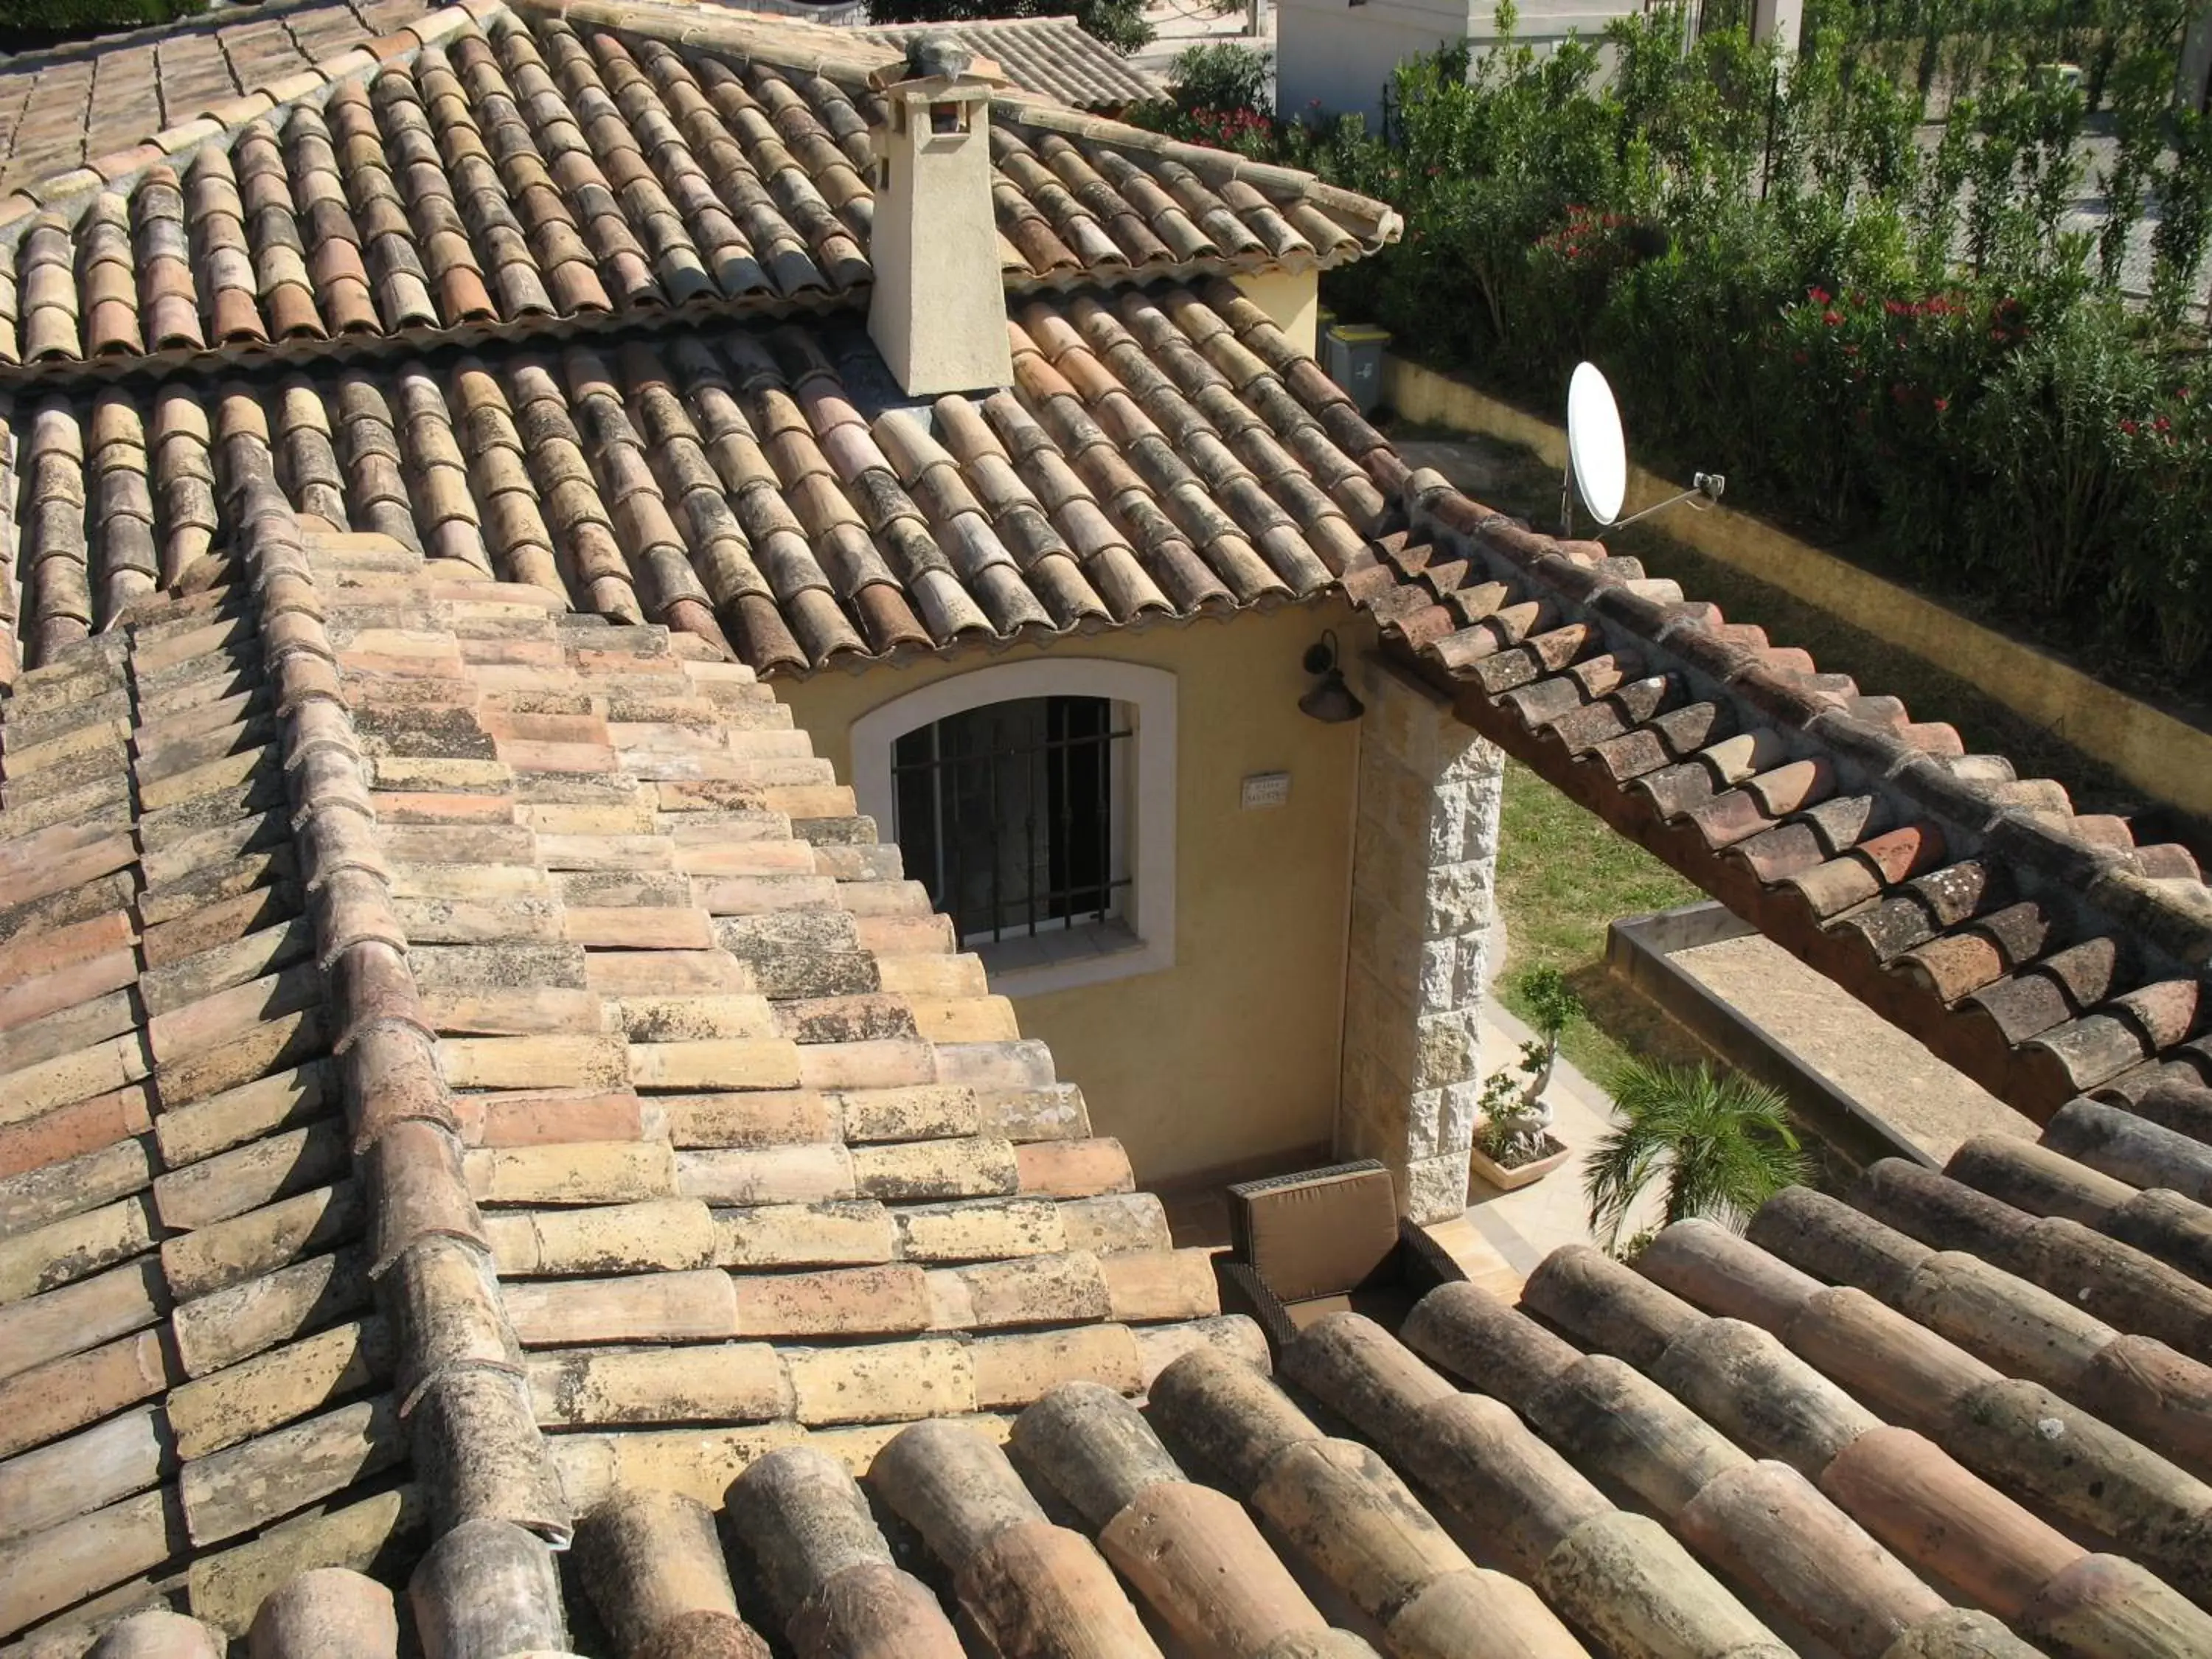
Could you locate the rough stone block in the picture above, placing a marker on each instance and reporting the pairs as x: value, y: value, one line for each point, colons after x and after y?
x: 1433, y: 1188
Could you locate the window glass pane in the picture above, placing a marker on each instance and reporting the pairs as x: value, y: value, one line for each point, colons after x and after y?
x: 1079, y: 804
x: 913, y: 795
x: 1006, y: 813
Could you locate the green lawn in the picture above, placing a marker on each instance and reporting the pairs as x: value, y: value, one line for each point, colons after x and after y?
x: 1564, y: 875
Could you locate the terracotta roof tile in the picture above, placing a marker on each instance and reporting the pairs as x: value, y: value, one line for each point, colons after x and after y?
x: 855, y: 1160
x: 1052, y: 55
x: 751, y: 488
x: 507, y: 175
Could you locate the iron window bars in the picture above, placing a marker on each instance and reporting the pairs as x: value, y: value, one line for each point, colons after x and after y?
x: 1010, y: 815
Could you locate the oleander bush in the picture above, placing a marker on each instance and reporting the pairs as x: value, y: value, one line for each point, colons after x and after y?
x: 1846, y: 280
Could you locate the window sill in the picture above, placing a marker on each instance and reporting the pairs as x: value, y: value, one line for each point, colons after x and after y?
x: 1068, y: 958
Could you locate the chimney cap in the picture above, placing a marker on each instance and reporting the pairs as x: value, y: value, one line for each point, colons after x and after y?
x: 939, y: 56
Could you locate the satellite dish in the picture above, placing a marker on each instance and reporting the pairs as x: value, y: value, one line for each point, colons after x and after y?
x: 1597, y: 454
x: 1597, y: 460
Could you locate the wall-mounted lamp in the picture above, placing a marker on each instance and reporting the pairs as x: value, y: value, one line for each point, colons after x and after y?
x: 1331, y: 702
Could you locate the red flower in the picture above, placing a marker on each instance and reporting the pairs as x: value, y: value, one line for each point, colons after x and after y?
x: 1942, y: 404
x: 2130, y: 427
x: 1831, y: 317
x: 1819, y: 296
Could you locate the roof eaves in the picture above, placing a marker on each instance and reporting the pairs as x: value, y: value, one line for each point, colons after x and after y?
x: 1215, y: 167
x: 844, y: 55
x: 1573, y: 653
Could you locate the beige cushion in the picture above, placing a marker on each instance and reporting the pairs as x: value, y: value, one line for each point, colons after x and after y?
x: 1386, y: 1305
x: 1323, y: 1238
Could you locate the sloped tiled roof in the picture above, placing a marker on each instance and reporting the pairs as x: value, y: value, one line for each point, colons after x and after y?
x: 64, y: 108
x: 373, y: 928
x: 2040, y: 951
x: 1050, y: 55
x: 1895, y: 1448
x: 765, y: 487
x: 617, y: 161
x: 471, y: 1087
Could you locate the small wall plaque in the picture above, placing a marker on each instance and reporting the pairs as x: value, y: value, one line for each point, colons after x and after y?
x: 1267, y: 789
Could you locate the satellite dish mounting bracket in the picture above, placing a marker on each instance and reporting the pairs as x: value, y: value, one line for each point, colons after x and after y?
x: 1597, y: 461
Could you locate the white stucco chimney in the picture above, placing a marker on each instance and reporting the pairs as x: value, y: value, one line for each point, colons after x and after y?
x: 938, y: 311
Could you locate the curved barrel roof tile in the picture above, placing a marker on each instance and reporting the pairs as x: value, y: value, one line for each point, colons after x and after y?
x: 463, y: 1061
x: 517, y: 174
x: 481, y: 1114
x: 765, y: 488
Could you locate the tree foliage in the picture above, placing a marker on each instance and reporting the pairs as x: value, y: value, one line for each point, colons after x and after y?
x: 26, y: 25
x: 1851, y: 280
x: 1721, y: 1144
x: 1120, y: 23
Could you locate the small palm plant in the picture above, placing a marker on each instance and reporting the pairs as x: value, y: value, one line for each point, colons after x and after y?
x: 1723, y: 1143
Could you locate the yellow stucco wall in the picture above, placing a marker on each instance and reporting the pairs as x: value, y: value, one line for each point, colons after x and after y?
x: 1291, y: 300
x: 1230, y: 1054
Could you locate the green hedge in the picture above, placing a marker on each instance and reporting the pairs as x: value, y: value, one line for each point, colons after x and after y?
x: 28, y: 24
x: 1889, y: 346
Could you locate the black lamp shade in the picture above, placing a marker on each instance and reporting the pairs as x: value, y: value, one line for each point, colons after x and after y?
x: 1332, y: 702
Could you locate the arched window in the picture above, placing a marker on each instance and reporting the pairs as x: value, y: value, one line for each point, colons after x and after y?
x: 1036, y: 800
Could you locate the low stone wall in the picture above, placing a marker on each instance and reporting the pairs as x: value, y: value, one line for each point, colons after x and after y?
x: 1640, y: 950
x: 2168, y: 758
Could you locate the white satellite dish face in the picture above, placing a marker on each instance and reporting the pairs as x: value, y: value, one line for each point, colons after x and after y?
x: 1596, y: 449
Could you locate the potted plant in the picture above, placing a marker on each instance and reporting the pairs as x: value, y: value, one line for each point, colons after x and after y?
x: 1723, y: 1143
x: 1514, y: 1144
